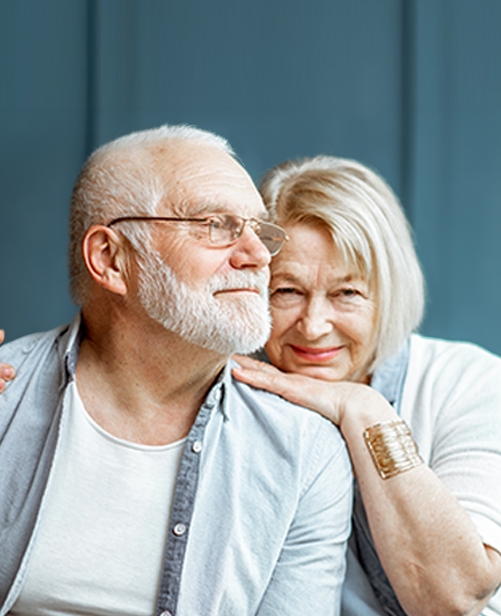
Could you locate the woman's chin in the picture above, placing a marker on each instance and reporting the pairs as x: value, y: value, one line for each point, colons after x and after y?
x: 325, y: 373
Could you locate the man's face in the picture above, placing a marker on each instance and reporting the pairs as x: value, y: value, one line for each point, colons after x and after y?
x: 238, y: 326
x: 212, y: 296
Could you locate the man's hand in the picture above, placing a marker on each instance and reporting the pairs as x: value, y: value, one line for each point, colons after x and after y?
x: 7, y: 373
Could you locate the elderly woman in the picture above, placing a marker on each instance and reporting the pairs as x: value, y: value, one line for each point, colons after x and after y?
x: 346, y: 294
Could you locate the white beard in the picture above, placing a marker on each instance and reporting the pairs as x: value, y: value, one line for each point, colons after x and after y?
x: 239, y: 324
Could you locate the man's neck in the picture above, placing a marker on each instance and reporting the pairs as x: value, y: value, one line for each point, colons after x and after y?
x: 144, y: 385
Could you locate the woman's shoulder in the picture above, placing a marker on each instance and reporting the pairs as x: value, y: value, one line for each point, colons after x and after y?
x: 454, y: 355
x: 443, y: 371
x: 451, y: 397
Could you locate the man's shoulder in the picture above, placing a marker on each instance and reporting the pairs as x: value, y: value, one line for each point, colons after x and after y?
x: 298, y: 442
x: 24, y: 346
x: 34, y: 391
x: 36, y: 359
x: 279, y: 416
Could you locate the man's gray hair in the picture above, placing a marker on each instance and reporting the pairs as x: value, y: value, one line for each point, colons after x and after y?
x: 121, y: 178
x: 369, y: 228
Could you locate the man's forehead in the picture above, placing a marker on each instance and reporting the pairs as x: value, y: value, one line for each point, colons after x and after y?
x: 201, y: 176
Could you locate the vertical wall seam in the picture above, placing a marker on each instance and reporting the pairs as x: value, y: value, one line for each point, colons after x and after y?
x: 91, y: 77
x: 408, y: 104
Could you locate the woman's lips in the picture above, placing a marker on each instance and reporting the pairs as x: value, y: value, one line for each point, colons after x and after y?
x: 316, y: 354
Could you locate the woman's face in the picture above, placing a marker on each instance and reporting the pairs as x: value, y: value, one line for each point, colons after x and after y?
x: 323, y: 313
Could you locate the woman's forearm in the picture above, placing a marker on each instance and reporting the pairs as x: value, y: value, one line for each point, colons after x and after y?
x: 427, y: 544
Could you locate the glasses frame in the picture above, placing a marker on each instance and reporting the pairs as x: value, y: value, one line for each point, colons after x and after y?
x: 255, y: 223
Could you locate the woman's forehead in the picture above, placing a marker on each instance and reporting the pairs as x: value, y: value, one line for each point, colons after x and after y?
x: 312, y: 246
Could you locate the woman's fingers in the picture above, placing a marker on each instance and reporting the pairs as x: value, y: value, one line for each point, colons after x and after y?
x: 254, y: 366
x: 262, y: 375
x: 303, y: 390
x: 7, y: 373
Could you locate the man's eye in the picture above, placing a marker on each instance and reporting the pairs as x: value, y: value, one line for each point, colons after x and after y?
x: 285, y: 291
x: 216, y: 223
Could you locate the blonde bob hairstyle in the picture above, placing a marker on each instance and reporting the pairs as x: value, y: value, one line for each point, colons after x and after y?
x: 369, y: 229
x: 123, y: 178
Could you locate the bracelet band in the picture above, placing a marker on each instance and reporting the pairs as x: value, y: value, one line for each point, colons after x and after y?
x: 392, y: 448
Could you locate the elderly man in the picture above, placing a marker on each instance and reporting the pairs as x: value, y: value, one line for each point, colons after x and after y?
x: 136, y: 477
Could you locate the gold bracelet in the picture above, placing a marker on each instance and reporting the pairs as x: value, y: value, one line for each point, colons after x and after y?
x: 392, y: 448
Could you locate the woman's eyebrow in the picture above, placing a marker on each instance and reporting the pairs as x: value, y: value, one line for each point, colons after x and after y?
x: 296, y: 278
x: 285, y: 277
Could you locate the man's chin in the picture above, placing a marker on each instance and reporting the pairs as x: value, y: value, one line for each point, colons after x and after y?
x: 227, y: 342
x: 252, y: 300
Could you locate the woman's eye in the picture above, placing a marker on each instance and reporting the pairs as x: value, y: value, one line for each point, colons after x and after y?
x: 348, y: 293
x: 284, y: 297
x: 285, y: 291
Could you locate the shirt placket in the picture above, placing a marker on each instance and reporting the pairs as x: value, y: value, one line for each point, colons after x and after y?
x: 182, y: 507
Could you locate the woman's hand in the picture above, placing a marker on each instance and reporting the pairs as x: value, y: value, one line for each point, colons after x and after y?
x: 7, y: 373
x: 333, y: 400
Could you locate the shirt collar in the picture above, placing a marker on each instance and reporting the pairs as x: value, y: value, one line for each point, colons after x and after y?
x: 218, y: 395
x: 69, y: 345
x: 389, y: 378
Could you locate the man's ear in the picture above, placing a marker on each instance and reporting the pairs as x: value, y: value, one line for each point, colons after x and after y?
x: 104, y: 253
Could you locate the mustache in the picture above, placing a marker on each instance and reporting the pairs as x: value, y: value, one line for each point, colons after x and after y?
x: 240, y: 280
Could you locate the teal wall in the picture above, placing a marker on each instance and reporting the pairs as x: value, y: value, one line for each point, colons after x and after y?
x: 409, y: 87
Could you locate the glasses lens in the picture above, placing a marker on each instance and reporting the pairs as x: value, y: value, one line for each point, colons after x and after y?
x: 273, y: 237
x: 224, y: 229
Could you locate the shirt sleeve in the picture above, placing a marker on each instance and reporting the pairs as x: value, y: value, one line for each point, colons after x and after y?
x: 310, y: 571
x: 462, y: 392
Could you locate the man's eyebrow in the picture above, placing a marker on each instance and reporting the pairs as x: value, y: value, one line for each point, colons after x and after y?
x: 191, y: 209
x: 202, y: 209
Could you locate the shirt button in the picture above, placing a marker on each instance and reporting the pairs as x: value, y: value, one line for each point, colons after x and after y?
x: 179, y: 529
x: 197, y: 446
x: 166, y: 613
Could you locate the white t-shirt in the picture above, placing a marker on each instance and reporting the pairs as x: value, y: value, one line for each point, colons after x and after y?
x: 101, y: 539
x: 451, y: 401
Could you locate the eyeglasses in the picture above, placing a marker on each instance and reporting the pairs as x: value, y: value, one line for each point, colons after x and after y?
x: 223, y: 229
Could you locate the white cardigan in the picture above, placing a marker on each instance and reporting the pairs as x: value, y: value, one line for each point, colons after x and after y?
x: 451, y: 400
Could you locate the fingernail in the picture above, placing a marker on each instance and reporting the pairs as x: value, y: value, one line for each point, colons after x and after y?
x: 9, y: 373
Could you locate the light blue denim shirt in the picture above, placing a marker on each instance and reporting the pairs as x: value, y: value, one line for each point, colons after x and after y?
x: 262, y: 504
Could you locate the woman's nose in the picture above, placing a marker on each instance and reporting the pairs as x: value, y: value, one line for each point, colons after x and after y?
x: 315, y: 321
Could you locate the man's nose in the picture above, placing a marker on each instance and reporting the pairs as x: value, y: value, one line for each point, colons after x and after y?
x: 249, y: 251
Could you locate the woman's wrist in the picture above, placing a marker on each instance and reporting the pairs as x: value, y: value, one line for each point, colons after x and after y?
x: 392, y: 448
x: 363, y: 407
